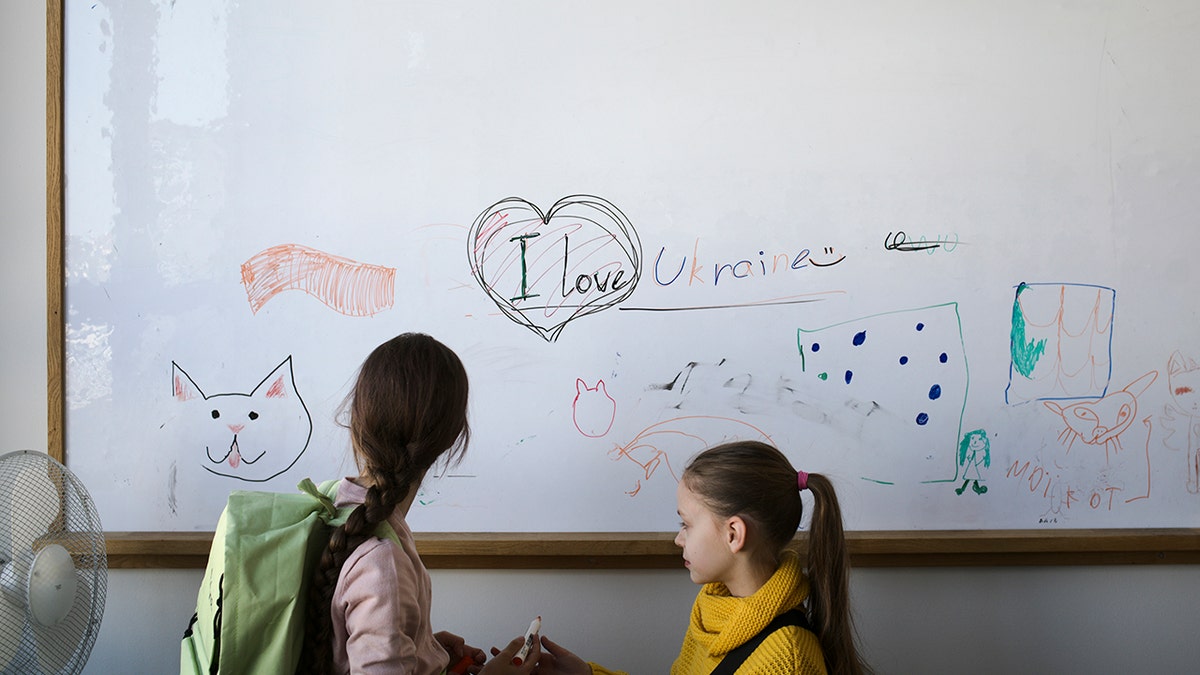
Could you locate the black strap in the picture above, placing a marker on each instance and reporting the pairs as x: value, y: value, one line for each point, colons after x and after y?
x: 734, y: 659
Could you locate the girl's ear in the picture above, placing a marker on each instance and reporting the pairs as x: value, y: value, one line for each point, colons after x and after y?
x: 735, y: 534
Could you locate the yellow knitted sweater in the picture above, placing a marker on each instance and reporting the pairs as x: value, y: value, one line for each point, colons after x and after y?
x: 721, y: 622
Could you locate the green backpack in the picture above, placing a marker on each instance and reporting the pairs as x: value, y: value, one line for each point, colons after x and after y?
x: 250, y: 610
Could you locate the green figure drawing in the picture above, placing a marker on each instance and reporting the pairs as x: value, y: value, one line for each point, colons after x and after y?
x: 1025, y: 353
x: 974, y: 450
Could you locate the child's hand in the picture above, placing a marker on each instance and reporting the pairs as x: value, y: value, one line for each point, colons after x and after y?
x: 501, y: 663
x: 458, y: 648
x: 556, y: 660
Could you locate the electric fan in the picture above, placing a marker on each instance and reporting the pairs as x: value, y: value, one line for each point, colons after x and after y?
x: 53, y: 569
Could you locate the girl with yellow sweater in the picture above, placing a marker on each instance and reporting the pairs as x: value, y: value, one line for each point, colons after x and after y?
x: 739, y: 506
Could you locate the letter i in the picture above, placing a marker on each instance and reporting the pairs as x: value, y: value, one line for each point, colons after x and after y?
x: 525, y: 295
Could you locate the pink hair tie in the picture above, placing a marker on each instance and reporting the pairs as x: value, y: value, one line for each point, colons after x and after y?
x: 802, y: 480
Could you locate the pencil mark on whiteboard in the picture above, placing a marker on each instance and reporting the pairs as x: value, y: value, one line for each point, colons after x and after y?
x: 172, y: 485
x: 679, y: 382
x: 546, y: 269
x: 345, y: 286
x: 1060, y: 342
x: 697, y: 386
x: 251, y: 437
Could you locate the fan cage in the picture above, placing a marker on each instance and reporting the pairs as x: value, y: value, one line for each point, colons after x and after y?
x: 43, y: 504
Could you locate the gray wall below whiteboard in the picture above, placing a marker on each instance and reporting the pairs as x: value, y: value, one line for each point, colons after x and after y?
x: 1094, y: 620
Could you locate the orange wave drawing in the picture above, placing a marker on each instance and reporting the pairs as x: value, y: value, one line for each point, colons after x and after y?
x: 346, y: 286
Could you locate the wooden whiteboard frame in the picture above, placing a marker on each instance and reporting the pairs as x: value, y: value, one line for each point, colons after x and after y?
x: 611, y: 550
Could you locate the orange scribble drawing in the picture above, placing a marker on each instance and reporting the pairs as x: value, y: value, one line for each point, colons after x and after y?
x: 346, y: 286
x: 686, y: 435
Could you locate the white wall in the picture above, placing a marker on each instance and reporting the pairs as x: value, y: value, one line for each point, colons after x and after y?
x: 944, y: 620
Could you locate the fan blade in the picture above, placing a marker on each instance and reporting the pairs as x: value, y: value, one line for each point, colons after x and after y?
x: 51, y: 585
x: 64, y: 647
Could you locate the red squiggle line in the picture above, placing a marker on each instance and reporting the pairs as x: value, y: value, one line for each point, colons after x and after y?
x: 349, y: 287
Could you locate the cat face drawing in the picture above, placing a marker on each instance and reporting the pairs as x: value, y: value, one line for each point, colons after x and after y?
x: 1103, y: 421
x: 251, y: 437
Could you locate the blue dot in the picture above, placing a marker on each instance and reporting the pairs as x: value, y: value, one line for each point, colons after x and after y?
x: 920, y: 326
x: 849, y: 375
x: 922, y: 419
x: 935, y: 392
x: 816, y: 346
x: 903, y: 360
x: 860, y: 337
x: 943, y: 358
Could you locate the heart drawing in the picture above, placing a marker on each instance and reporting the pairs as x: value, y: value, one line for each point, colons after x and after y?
x: 543, y: 270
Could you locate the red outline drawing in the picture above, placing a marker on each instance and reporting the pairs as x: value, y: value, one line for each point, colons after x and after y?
x: 598, y: 418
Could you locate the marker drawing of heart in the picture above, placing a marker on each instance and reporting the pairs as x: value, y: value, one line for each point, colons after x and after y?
x: 544, y: 270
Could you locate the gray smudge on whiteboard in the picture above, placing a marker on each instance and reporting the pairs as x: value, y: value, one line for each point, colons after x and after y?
x: 172, y: 481
x: 191, y: 64
x: 190, y: 100
x: 189, y: 192
x: 89, y: 364
x: 90, y: 204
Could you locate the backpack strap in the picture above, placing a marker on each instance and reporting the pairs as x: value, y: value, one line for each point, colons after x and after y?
x: 734, y: 659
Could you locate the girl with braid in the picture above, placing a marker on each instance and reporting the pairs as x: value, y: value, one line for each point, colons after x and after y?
x: 370, y: 597
x: 740, y: 507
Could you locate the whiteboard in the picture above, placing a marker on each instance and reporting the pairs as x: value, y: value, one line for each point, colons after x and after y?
x: 939, y: 251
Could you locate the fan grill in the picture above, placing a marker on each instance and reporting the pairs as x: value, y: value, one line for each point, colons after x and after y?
x: 42, y: 504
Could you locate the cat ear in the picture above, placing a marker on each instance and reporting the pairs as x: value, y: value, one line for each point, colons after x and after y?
x: 1180, y: 363
x: 1176, y: 364
x: 1140, y: 385
x: 182, y: 386
x: 279, y: 382
x: 601, y: 387
x: 580, y: 385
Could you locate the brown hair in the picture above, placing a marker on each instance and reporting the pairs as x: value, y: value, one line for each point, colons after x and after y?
x: 408, y: 408
x: 755, y: 481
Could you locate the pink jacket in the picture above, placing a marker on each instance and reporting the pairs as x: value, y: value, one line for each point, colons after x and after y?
x: 381, y: 604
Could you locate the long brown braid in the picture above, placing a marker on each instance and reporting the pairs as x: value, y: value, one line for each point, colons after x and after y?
x: 408, y: 408
x: 756, y: 481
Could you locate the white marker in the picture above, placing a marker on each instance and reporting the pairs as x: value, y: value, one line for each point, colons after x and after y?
x: 535, y: 627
